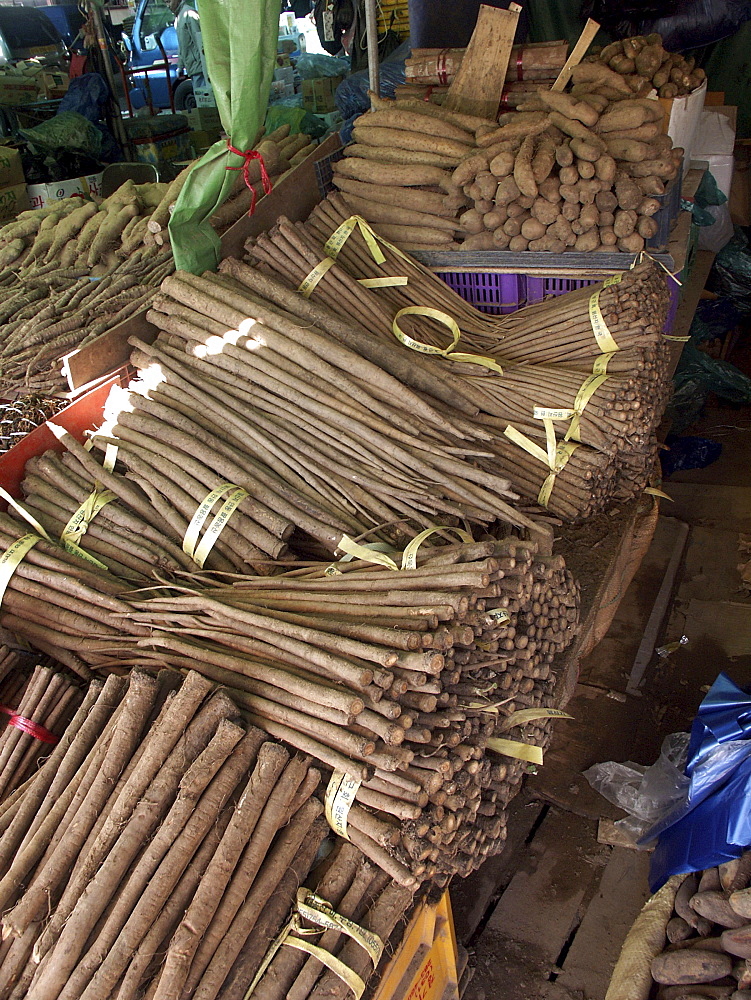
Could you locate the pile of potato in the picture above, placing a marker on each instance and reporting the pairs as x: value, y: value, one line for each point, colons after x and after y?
x: 584, y: 172
x: 709, y: 937
x: 646, y: 65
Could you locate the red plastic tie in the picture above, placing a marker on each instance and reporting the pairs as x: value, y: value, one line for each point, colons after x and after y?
x: 441, y: 68
x: 519, y: 67
x: 428, y: 93
x: 29, y: 726
x: 248, y: 156
x: 504, y: 98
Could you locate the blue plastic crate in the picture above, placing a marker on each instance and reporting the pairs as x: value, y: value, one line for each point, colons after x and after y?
x: 496, y: 294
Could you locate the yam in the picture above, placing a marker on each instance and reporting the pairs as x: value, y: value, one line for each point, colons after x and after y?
x: 376, y: 211
x: 584, y: 150
x: 586, y: 169
x: 628, y: 194
x: 479, y: 241
x: 570, y: 192
x: 564, y: 155
x: 650, y: 185
x: 678, y: 968
x: 588, y: 218
x: 662, y: 167
x: 597, y: 101
x: 609, y: 239
x: 570, y: 210
x: 606, y: 220
x: 605, y: 168
x: 566, y: 105
x: 513, y: 227
x: 409, y: 198
x: 414, y: 234
x: 544, y: 211
x: 625, y: 223
x: 628, y: 149
x: 588, y: 191
x: 473, y: 191
x: 711, y: 904
x: 599, y: 74
x: 613, y: 49
x: 606, y: 201
x: 622, y: 64
x: 648, y: 61
x: 373, y: 136
x: 523, y: 175
x: 525, y: 200
x: 494, y: 219
x: 549, y: 244
x: 650, y: 130
x: 669, y: 91
x: 484, y: 205
x: 533, y: 229
x: 514, y: 210
x: 588, y: 241
x: 543, y: 159
x: 649, y: 206
x: 524, y: 124
x: 409, y: 121
x: 486, y: 184
x: 396, y: 176
x: 576, y: 130
x: 518, y: 244
x: 470, y: 123
x: 633, y: 243
x: 407, y: 157
x: 502, y: 165
x: 550, y: 189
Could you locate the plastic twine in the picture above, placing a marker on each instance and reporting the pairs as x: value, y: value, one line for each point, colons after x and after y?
x: 248, y: 156
x: 29, y: 726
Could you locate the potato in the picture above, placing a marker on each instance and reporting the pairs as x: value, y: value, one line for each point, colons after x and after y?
x: 532, y: 229
x: 650, y: 185
x: 547, y: 243
x: 629, y: 197
x: 502, y: 164
x: 606, y: 201
x: 518, y: 244
x: 570, y: 211
x: 588, y: 191
x: 631, y: 244
x: 588, y: 218
x: 550, y: 189
x: 711, y: 904
x: 690, y: 966
x: 495, y: 218
x: 487, y: 184
x: 588, y: 241
x: 568, y: 175
x: 544, y: 211
x: 484, y: 205
x: 561, y: 230
x: 625, y: 223
x: 586, y: 169
x: 609, y: 239
x: 606, y: 220
x: 605, y: 168
x: 507, y: 191
x: 570, y: 192
x: 501, y: 238
x: 471, y: 221
x: 564, y: 155
x: 649, y: 60
x: 514, y: 210
x: 479, y: 241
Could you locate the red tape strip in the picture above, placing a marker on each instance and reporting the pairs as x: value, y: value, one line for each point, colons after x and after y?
x: 248, y: 156
x: 441, y: 68
x: 519, y: 66
x: 29, y: 726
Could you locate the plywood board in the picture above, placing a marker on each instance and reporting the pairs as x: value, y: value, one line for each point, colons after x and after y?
x: 478, y: 83
x: 726, y: 623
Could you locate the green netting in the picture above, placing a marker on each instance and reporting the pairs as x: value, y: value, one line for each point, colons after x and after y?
x: 240, y: 41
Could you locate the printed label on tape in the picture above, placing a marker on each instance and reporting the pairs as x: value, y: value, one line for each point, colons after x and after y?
x: 515, y: 749
x: 197, y: 521
x: 218, y: 525
x: 309, y: 283
x: 525, y: 715
x: 340, y: 794
x: 409, y: 556
x: 319, y: 911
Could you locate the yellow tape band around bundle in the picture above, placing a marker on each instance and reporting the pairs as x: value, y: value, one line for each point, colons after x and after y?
x: 653, y: 491
x: 443, y: 352
x: 525, y: 715
x: 200, y: 553
x: 340, y: 795
x: 678, y: 340
x: 599, y: 327
x: 347, y: 975
x: 409, y: 556
x: 589, y: 387
x: 309, y: 283
x: 368, y: 553
x: 498, y: 615
x: 318, y: 911
x: 11, y: 559
x: 110, y: 457
x: 339, y: 237
x: 79, y: 522
x: 600, y: 366
x: 386, y: 282
x: 555, y: 458
x: 69, y: 546
x: 515, y: 749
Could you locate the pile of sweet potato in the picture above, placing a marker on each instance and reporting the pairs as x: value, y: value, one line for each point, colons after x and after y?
x: 709, y: 937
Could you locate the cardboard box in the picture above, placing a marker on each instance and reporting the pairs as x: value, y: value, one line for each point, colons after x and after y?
x: 285, y: 74
x: 204, y: 119
x: 683, y: 114
x: 13, y: 200
x: 11, y: 170
x: 42, y: 194
x: 204, y: 97
x: 200, y: 140
x: 318, y: 94
x: 55, y: 85
x: 163, y: 149
x: 18, y: 89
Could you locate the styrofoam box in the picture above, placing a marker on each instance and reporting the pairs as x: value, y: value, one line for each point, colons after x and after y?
x: 42, y: 194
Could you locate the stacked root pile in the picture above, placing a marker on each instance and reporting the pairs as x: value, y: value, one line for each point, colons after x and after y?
x: 552, y: 363
x: 40, y: 695
x: 50, y: 256
x: 19, y: 418
x: 708, y: 952
x: 160, y: 826
x: 646, y: 65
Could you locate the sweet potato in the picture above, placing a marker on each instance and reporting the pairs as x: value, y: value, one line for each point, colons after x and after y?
x: 507, y: 191
x: 585, y: 169
x: 566, y: 105
x: 544, y: 211
x: 690, y: 966
x: 564, y: 155
x: 633, y: 243
x: 543, y: 159
x: 478, y: 241
x: 588, y: 241
x: 550, y: 189
x: 628, y: 149
x: 738, y: 941
x: 533, y: 229
x: 549, y: 244
x: 711, y: 904
x: 609, y: 239
x: 523, y: 168
x: 502, y: 165
x: 374, y: 136
x: 599, y: 74
x: 625, y: 223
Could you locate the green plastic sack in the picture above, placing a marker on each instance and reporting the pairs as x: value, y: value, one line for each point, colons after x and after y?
x: 240, y: 42
x: 68, y: 130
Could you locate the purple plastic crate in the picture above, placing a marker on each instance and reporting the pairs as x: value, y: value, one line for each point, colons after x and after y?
x: 539, y: 289
x: 495, y: 294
